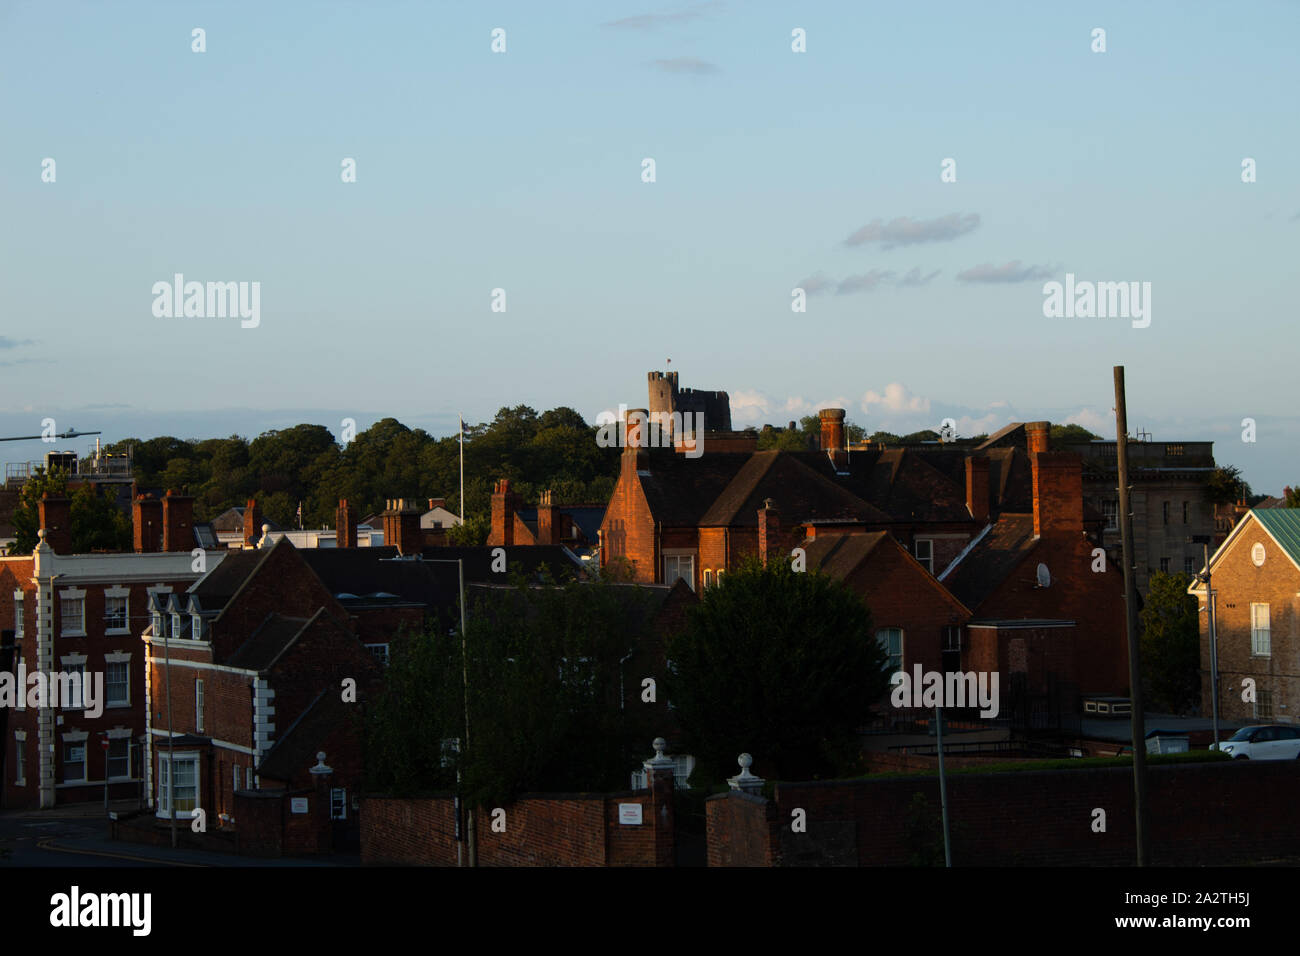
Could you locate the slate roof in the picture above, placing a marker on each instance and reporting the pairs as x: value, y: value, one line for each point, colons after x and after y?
x: 994, y: 556
x: 558, y: 560
x: 681, y: 490
x: 372, y: 571
x: 799, y: 491
x: 219, y: 585
x: 1003, y: 437
x: 295, y: 751
x: 838, y: 554
x: 900, y: 482
x: 272, y: 638
x: 232, y: 519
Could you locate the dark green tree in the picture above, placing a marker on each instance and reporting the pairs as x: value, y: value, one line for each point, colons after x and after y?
x: 96, y: 523
x: 1171, y: 644
x: 1225, y: 485
x: 546, y: 669
x: 780, y: 664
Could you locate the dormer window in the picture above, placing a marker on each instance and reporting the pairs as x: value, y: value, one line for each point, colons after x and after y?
x: 196, y: 627
x: 176, y: 626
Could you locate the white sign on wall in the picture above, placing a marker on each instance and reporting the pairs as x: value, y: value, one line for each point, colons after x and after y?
x: 1257, y: 554
x: 298, y: 804
x: 629, y: 814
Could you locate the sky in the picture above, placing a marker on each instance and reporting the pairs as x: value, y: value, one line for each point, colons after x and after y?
x: 523, y: 171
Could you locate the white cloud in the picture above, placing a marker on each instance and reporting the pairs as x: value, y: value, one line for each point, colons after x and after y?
x: 895, y: 399
x: 1096, y: 423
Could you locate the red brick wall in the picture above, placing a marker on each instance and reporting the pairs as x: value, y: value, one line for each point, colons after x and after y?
x: 628, y: 530
x: 552, y: 830
x: 1200, y: 814
x: 1093, y: 599
x: 739, y: 829
x: 1239, y: 583
x: 900, y: 593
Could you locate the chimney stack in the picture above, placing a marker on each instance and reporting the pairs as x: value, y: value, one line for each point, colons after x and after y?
x: 832, y: 422
x: 147, y: 524
x: 252, y: 524
x: 345, y: 524
x: 1058, y: 492
x: 504, y: 503
x: 547, y: 519
x: 637, y: 429
x: 769, y: 530
x: 977, y: 487
x: 402, y: 526
x: 55, y: 516
x: 1037, y: 433
x: 177, y: 521
x: 437, y: 503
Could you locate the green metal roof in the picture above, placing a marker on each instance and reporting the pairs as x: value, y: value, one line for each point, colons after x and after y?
x: 1284, y: 525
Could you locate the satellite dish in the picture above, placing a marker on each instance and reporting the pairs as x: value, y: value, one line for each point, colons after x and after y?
x: 1044, y: 576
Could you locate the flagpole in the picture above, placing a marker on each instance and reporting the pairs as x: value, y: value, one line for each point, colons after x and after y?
x: 462, y: 470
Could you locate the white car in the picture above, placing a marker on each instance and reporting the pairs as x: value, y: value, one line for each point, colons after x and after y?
x: 1263, y: 742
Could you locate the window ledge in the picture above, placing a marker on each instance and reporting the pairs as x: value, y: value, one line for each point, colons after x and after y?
x: 117, y: 632
x: 72, y: 634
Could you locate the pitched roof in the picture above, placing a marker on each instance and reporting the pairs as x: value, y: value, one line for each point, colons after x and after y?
x: 994, y: 556
x: 273, y: 636
x: 681, y: 490
x: 366, y: 572
x: 558, y: 561
x: 838, y: 554
x: 295, y: 750
x: 1001, y: 438
x: 219, y: 585
x: 1283, y: 526
x: 232, y: 519
x: 799, y: 491
x: 901, y: 482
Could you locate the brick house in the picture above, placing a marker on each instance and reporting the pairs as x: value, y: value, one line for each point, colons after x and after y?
x: 1255, y: 574
x: 1044, y: 601
x: 916, y: 619
x: 671, y: 515
x: 251, y: 649
x: 85, y: 613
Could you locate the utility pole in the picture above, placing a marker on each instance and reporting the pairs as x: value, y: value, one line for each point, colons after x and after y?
x: 1204, y: 541
x: 943, y: 791
x: 1137, y: 725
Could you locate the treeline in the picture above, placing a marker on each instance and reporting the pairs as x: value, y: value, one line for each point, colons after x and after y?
x: 555, y: 450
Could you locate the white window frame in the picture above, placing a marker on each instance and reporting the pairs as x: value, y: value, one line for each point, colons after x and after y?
x: 19, y: 607
x: 885, y: 632
x: 1261, y: 637
x: 1262, y: 712
x: 341, y: 795
x: 679, y: 556
x: 20, y: 758
x: 234, y: 783
x: 926, y: 561
x: 72, y: 594
x: 113, y: 660
x: 123, y: 595
x: 68, y: 665
x: 67, y: 745
x: 374, y: 650
x: 164, y: 781
x: 1110, y: 512
x: 708, y: 578
x: 198, y: 705
x: 109, y: 758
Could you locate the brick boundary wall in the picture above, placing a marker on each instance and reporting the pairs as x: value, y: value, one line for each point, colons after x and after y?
x: 1214, y: 814
x: 579, y: 829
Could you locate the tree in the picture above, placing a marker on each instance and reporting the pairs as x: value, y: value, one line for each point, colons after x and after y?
x: 1225, y: 486
x: 1171, y: 644
x: 778, y: 663
x: 95, y: 522
x: 1061, y: 435
x: 1292, y: 496
x: 545, y: 671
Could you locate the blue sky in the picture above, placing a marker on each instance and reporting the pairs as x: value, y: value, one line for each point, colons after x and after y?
x: 522, y: 171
